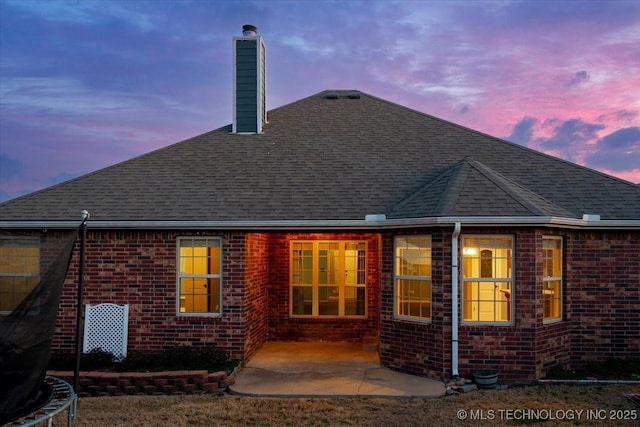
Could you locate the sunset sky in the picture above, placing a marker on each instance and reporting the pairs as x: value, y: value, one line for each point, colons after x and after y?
x: 85, y: 84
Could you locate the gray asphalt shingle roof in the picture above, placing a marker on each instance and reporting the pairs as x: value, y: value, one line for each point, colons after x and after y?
x: 464, y: 189
x: 335, y: 159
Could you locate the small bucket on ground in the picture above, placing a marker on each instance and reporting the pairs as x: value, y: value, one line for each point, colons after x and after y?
x: 485, y: 379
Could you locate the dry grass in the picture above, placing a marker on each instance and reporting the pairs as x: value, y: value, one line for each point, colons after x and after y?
x: 227, y: 410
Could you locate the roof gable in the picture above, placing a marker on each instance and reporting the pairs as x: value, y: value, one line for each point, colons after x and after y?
x: 469, y: 188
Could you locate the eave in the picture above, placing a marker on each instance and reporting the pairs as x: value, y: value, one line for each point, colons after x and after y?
x: 318, y: 225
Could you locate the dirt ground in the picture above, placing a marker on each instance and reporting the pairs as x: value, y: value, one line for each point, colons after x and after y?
x: 557, y: 405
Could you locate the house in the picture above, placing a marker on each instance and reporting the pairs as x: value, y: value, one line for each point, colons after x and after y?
x: 345, y: 217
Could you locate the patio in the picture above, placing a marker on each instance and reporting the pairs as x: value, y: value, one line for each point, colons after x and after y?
x: 326, y: 369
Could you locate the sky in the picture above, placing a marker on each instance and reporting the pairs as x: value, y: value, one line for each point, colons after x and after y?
x: 85, y: 84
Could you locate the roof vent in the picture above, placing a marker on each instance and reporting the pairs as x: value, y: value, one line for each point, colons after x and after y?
x: 353, y: 95
x: 331, y: 95
x: 249, y: 30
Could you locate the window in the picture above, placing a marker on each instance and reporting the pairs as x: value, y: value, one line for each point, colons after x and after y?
x: 328, y: 278
x: 552, y: 278
x: 487, y: 279
x: 199, y: 276
x: 413, y: 277
x: 19, y: 270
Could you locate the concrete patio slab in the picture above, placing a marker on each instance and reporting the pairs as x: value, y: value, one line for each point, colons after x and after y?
x: 323, y: 369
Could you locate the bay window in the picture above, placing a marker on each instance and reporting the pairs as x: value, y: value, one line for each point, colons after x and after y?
x: 487, y: 279
x: 552, y: 278
x: 412, y: 277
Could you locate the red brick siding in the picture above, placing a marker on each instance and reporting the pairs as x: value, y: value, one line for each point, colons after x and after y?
x: 255, y: 297
x: 139, y: 268
x: 601, y: 310
x: 603, y: 295
x: 51, y: 244
x: 282, y: 327
x: 508, y: 349
x: 425, y: 349
x: 414, y: 347
x: 553, y: 340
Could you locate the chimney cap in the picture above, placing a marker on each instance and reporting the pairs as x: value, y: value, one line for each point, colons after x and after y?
x: 249, y: 30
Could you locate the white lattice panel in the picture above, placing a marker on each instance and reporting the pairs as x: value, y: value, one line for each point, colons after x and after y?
x: 106, y: 327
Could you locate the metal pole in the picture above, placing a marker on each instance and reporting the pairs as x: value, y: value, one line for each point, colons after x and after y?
x: 79, y: 328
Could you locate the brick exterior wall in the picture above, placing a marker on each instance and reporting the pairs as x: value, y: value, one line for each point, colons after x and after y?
x: 282, y: 327
x: 414, y: 347
x: 601, y: 310
x: 553, y: 340
x: 601, y: 306
x: 255, y: 308
x: 139, y: 268
x: 603, y: 295
x: 51, y: 244
x: 509, y: 349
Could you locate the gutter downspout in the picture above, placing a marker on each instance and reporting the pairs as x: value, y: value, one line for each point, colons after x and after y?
x: 454, y: 299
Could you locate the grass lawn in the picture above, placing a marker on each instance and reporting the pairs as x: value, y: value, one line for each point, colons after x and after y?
x: 601, y: 405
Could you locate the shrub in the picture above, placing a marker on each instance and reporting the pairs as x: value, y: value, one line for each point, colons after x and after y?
x: 612, y: 369
x: 95, y: 359
x: 171, y: 358
x: 177, y: 358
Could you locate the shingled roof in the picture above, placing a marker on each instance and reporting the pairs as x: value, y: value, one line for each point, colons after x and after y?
x: 336, y: 155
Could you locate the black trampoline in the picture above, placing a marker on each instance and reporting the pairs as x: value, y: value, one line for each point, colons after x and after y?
x: 33, y: 268
x: 58, y: 397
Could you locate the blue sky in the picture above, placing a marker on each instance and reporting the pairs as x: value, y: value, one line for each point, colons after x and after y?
x: 85, y: 84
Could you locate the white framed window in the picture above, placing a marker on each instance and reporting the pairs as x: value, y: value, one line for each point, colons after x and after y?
x: 328, y: 279
x: 552, y: 278
x: 19, y: 270
x: 199, y: 276
x: 487, y: 279
x: 412, y: 277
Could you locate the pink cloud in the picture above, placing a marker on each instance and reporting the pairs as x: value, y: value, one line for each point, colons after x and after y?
x: 146, y: 83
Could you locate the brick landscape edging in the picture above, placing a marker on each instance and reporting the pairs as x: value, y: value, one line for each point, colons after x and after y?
x: 99, y: 383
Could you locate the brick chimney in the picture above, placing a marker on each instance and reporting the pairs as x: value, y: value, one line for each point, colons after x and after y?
x: 249, y: 82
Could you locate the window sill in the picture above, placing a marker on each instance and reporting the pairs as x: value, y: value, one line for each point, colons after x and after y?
x: 311, y: 317
x: 422, y: 321
x: 467, y: 323
x: 197, y: 315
